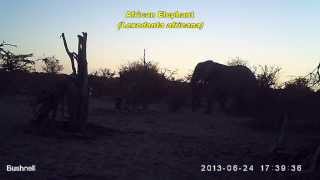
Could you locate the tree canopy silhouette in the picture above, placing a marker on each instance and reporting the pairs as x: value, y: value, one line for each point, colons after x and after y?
x: 51, y: 65
x: 12, y: 62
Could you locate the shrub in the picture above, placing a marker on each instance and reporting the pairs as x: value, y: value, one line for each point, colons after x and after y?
x: 298, y: 84
x: 142, y: 83
x: 267, y: 76
x: 51, y: 65
x: 104, y: 73
x: 237, y: 61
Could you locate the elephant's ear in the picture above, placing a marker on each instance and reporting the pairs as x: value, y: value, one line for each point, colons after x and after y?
x: 196, y: 75
x: 204, y: 71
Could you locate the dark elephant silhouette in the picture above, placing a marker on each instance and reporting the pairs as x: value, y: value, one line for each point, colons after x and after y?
x: 218, y: 82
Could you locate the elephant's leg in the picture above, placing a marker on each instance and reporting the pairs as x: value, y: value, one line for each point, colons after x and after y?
x: 209, y: 104
x: 211, y: 94
x: 145, y: 106
x: 118, y: 104
x: 197, y: 95
x: 49, y: 123
x: 196, y: 99
x: 42, y: 115
x: 195, y: 103
x: 222, y: 100
x: 242, y: 107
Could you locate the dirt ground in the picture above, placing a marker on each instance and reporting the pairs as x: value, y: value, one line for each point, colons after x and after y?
x: 152, y: 145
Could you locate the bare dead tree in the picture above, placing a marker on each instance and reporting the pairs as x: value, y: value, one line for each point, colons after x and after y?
x: 267, y: 76
x: 314, y: 77
x: 80, y: 99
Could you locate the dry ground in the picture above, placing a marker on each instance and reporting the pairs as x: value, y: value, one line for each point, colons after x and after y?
x: 151, y: 145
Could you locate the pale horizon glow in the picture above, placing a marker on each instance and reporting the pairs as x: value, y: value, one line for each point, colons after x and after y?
x: 283, y: 33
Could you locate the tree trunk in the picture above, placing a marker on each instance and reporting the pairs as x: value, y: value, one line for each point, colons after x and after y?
x: 79, y: 90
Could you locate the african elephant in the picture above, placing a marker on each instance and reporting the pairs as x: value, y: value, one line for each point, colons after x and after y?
x: 221, y: 83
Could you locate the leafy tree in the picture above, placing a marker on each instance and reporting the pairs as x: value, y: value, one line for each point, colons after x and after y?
x: 11, y: 62
x: 51, y: 65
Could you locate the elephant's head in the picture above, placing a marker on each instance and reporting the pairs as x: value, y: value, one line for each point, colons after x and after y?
x: 202, y: 74
x: 203, y: 71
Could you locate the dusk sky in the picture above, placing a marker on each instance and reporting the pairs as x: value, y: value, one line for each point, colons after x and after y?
x: 273, y: 32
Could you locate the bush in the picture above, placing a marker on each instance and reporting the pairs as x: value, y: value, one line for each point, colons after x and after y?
x: 142, y: 83
x: 298, y: 84
x: 237, y: 62
x: 104, y: 73
x: 51, y: 65
x: 267, y: 76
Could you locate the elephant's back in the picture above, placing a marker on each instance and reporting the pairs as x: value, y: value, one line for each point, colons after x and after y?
x: 236, y: 78
x: 242, y: 71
